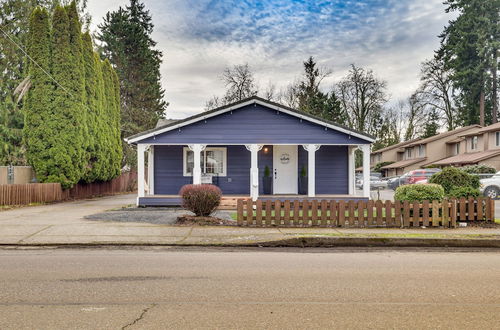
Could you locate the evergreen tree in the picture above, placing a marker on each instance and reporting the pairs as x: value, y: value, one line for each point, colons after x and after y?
x: 68, y: 151
x: 431, y: 127
x: 469, y: 48
x: 39, y: 136
x: 312, y: 100
x: 126, y: 41
x: 96, y: 168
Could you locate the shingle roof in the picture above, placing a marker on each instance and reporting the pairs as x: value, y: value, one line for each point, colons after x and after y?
x: 403, y: 163
x: 443, y: 135
x: 398, y: 145
x: 467, y: 158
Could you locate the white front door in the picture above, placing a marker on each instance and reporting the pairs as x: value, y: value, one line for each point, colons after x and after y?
x: 285, y: 163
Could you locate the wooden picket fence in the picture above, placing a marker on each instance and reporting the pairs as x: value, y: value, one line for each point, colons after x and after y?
x: 25, y: 194
x: 359, y: 214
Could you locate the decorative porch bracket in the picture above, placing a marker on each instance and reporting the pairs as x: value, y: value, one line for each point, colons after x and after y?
x: 254, y: 170
x: 311, y: 168
x: 197, y: 149
x: 365, y: 148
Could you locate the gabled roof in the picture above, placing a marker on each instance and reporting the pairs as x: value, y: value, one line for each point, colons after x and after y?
x: 467, y: 158
x: 482, y: 130
x: 398, y: 145
x: 403, y: 163
x: 251, y: 100
x: 443, y: 135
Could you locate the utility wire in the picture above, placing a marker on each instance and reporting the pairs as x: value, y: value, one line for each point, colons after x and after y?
x: 36, y: 63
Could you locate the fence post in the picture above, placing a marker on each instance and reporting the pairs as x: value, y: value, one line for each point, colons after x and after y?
x: 239, y: 208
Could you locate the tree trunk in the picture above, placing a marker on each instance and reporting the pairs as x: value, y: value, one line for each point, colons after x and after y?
x: 494, y: 98
x: 481, y: 108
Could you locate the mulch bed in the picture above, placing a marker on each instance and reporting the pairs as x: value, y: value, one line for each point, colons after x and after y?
x: 190, y: 220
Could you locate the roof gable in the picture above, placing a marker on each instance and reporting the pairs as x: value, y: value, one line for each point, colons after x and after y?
x: 259, y: 126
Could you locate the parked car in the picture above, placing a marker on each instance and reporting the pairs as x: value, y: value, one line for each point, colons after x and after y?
x: 375, y: 183
x: 416, y: 176
x: 420, y: 175
x: 490, y: 187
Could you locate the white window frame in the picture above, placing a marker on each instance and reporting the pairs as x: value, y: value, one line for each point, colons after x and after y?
x: 497, y: 139
x: 457, y: 149
x: 409, y: 152
x: 473, y: 143
x: 203, y: 156
x: 421, y: 150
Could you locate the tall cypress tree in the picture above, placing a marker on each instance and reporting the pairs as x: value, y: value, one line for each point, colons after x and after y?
x: 95, y: 133
x: 38, y: 135
x: 69, y: 156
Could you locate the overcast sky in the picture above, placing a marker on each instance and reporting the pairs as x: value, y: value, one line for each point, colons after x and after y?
x: 199, y: 38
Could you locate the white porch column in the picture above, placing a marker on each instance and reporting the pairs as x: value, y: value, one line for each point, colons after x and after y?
x: 140, y: 171
x: 151, y: 170
x: 365, y: 148
x: 197, y: 149
x: 311, y: 168
x: 254, y: 170
x: 351, y: 169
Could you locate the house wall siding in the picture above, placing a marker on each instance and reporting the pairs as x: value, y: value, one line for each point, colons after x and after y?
x: 254, y: 124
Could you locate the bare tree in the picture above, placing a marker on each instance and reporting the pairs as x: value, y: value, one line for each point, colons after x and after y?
x: 436, y: 91
x: 362, y: 96
x: 289, y: 95
x: 415, y: 111
x: 270, y: 92
x: 240, y: 84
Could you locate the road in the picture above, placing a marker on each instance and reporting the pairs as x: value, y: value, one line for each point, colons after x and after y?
x: 254, y: 289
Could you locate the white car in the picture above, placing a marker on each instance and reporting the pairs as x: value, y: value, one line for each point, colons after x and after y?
x: 490, y: 187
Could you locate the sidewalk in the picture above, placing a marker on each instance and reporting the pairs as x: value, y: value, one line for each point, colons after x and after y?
x: 63, y: 224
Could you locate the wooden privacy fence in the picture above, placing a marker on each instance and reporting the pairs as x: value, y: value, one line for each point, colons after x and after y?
x: 359, y: 214
x: 24, y: 194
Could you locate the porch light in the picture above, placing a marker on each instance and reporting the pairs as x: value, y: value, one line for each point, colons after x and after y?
x: 266, y: 149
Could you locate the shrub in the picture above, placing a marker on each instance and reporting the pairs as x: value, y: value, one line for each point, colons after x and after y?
x: 459, y: 192
x: 479, y: 169
x: 452, y: 177
x: 378, y: 166
x: 419, y: 192
x: 201, y: 199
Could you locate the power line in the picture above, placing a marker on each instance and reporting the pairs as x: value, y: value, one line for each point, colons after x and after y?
x: 36, y: 63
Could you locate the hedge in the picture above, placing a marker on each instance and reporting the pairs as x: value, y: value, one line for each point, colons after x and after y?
x: 452, y: 177
x: 419, y: 192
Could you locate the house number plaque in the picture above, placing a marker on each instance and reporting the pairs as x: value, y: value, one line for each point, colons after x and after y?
x: 285, y: 158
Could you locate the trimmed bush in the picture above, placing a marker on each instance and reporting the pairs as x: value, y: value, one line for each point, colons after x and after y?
x: 378, y: 166
x: 419, y: 192
x: 459, y: 192
x: 201, y: 199
x: 479, y: 169
x: 452, y: 177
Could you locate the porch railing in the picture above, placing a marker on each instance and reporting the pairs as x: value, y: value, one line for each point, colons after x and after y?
x: 359, y: 214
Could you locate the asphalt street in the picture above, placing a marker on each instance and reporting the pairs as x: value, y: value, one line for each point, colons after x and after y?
x: 249, y: 289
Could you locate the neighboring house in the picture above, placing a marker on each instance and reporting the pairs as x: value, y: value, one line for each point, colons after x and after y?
x: 391, y: 154
x: 230, y: 146
x: 425, y: 152
x: 479, y: 146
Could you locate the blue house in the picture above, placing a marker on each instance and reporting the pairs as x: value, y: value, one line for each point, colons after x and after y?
x: 232, y: 146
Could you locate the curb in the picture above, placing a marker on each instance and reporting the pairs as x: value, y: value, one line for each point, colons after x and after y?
x: 297, y: 242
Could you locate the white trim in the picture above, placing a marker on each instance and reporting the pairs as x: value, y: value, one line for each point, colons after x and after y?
x: 254, y: 170
x: 248, y: 143
x: 351, y: 169
x: 140, y: 170
x: 244, y: 104
x: 311, y: 168
x: 365, y: 148
x: 151, y: 167
x: 224, y: 161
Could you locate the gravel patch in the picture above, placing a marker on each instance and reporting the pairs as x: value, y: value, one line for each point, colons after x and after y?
x: 161, y: 216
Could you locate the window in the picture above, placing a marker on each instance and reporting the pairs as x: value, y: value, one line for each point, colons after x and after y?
x: 408, y: 153
x: 213, y: 161
x: 457, y: 148
x: 497, y: 139
x: 473, y: 143
x: 421, y: 151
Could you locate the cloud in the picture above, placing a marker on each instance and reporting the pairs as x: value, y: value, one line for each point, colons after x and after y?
x: 200, y: 38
